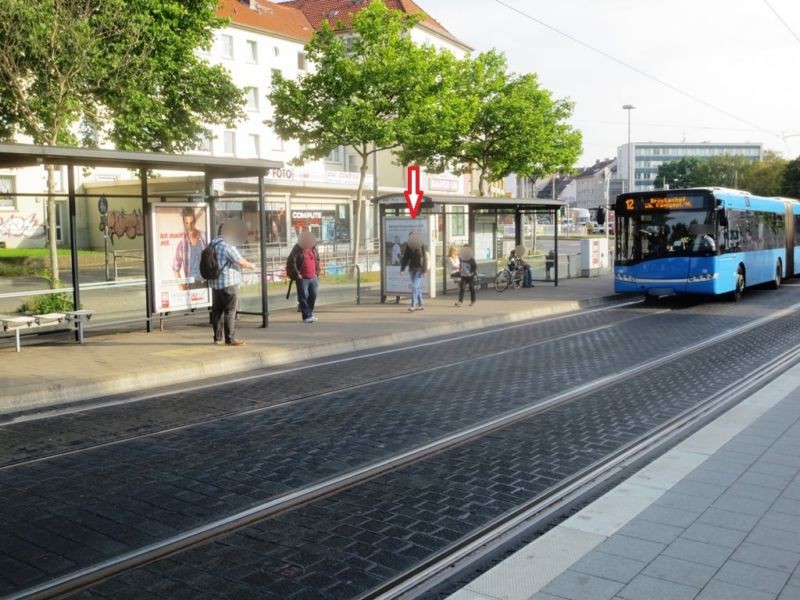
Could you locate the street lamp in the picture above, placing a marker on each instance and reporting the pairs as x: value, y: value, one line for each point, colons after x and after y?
x: 629, y: 108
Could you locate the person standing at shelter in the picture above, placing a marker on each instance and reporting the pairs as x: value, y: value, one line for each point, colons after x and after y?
x: 415, y: 258
x: 303, y: 267
x: 225, y: 287
x: 187, y: 255
x: 467, y: 271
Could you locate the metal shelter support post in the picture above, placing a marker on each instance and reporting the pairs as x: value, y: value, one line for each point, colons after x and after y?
x: 555, y: 244
x: 262, y: 227
x: 445, y: 274
x: 73, y: 242
x: 382, y: 247
x: 148, y: 259
x: 208, y: 194
x: 517, y: 227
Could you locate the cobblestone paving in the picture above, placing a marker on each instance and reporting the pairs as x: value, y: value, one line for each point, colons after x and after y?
x: 344, y: 545
x: 68, y: 512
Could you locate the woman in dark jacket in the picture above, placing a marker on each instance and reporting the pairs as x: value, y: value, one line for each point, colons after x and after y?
x: 415, y: 258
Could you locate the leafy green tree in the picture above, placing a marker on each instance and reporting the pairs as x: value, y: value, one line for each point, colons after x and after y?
x: 81, y: 72
x: 722, y: 171
x: 680, y: 173
x: 363, y: 92
x: 764, y: 178
x: 496, y: 122
x: 790, y: 183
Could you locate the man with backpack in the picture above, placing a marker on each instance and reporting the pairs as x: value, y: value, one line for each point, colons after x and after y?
x: 221, y: 265
x: 303, y: 267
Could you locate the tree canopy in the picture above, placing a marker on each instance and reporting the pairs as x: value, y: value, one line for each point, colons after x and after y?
x: 364, y: 91
x: 496, y: 122
x: 763, y: 178
x: 82, y: 72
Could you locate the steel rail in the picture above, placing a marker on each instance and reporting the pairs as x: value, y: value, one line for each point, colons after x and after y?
x: 318, y: 395
x: 103, y: 570
x: 480, y: 544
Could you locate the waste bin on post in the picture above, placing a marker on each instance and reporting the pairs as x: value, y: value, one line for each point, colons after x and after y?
x: 549, y: 263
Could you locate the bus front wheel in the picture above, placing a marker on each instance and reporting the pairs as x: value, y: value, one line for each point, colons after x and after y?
x: 736, y: 294
x: 776, y: 283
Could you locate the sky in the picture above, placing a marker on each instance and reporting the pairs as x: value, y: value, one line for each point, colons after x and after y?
x: 736, y: 55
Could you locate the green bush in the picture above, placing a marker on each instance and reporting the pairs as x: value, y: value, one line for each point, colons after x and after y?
x: 47, y: 303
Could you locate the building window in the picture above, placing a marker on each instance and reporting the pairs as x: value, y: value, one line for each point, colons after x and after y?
x: 255, y: 145
x: 7, y: 198
x: 227, y: 46
x: 252, y: 98
x: 301, y: 61
x: 354, y: 163
x: 277, y: 143
x: 276, y: 51
x: 205, y: 144
x: 335, y: 155
x: 229, y: 142
x: 252, y: 51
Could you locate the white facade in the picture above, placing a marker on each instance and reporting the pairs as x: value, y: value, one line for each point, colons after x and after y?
x: 648, y: 156
x: 592, y: 185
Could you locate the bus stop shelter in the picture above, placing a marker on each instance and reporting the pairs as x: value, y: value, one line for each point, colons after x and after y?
x: 143, y: 163
x: 394, y: 205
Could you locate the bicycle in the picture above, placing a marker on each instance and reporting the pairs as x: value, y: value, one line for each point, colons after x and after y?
x: 509, y: 279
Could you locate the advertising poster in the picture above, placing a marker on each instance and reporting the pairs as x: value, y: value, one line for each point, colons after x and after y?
x: 180, y: 233
x: 395, y: 233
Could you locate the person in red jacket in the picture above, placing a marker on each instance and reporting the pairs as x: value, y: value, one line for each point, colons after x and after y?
x: 303, y: 267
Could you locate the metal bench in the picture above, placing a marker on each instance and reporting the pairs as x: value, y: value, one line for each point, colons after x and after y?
x: 31, y: 323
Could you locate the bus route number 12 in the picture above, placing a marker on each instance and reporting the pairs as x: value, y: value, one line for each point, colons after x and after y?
x: 629, y: 204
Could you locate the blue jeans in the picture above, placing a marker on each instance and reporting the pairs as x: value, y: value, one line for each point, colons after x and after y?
x: 307, y: 295
x: 416, y: 289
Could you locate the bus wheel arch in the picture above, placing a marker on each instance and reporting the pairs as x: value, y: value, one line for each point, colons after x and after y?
x: 776, y: 281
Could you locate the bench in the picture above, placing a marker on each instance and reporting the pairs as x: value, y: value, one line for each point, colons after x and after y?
x: 31, y: 323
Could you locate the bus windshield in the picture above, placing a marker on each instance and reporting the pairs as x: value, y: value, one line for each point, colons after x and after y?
x: 663, y: 234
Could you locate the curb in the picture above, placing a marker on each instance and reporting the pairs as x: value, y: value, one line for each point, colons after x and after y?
x: 58, y: 394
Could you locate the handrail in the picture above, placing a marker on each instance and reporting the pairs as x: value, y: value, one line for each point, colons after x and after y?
x: 98, y: 285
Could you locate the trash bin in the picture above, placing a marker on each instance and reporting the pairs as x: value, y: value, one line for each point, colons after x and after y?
x: 549, y: 263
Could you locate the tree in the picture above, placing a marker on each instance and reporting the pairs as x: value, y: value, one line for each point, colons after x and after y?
x: 790, y: 183
x: 496, y: 122
x: 81, y: 72
x: 363, y: 93
x: 764, y: 178
x: 678, y: 173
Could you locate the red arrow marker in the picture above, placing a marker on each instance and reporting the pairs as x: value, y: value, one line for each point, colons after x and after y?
x: 413, y: 193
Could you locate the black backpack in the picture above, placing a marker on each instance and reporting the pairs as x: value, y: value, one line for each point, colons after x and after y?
x: 209, y: 265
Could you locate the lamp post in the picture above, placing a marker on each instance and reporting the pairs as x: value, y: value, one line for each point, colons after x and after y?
x: 629, y: 108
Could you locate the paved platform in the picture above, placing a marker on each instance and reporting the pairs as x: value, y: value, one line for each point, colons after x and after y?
x: 53, y: 369
x: 716, y: 518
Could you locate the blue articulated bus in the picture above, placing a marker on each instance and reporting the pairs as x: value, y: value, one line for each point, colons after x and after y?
x: 706, y: 241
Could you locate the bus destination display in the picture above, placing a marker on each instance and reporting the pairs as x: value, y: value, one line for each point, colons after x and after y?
x: 648, y: 203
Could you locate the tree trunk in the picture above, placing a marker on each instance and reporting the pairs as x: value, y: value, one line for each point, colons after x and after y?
x: 52, y: 238
x: 482, y: 184
x: 359, y: 205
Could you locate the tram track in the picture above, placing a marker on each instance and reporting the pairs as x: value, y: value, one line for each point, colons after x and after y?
x: 318, y: 395
x: 428, y: 570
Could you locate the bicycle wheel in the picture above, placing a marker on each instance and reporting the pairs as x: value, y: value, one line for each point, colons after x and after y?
x: 502, y: 280
x: 516, y: 280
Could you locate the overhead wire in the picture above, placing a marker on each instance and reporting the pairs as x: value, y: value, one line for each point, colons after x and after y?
x: 782, y: 20
x: 636, y: 69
